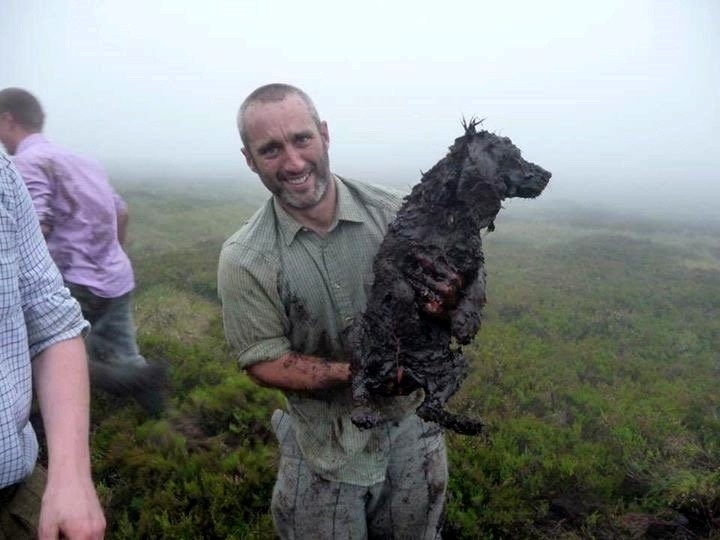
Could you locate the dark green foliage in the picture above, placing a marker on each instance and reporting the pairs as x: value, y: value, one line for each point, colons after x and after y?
x: 596, y: 371
x: 207, y: 466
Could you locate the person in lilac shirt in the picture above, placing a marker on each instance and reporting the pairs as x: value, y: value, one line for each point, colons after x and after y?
x: 84, y: 222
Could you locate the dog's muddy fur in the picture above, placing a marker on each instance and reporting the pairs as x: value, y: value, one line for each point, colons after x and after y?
x: 438, y: 227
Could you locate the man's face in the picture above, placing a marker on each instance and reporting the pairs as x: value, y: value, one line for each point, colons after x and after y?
x: 288, y: 151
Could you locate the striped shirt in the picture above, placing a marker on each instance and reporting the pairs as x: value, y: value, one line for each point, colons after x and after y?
x: 285, y: 289
x: 36, y: 311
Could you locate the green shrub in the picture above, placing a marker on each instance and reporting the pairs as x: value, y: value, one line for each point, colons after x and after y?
x: 595, y: 370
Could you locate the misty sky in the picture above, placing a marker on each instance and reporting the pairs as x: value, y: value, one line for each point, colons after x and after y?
x: 619, y: 99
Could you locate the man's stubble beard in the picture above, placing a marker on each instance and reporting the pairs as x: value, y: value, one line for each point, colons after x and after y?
x: 322, y: 175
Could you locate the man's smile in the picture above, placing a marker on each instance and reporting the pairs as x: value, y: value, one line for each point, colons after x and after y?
x: 298, y: 180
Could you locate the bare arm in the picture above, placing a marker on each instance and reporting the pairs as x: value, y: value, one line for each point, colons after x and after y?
x: 70, y: 506
x: 298, y: 372
x: 123, y: 217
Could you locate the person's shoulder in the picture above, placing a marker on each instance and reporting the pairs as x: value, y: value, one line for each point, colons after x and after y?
x: 256, y: 240
x: 9, y: 177
x: 5, y: 165
x: 15, y: 201
x: 257, y: 227
x: 75, y: 156
x: 370, y: 194
x: 46, y: 152
x: 33, y: 156
x: 7, y: 183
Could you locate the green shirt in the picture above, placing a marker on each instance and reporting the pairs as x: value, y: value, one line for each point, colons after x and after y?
x: 285, y: 289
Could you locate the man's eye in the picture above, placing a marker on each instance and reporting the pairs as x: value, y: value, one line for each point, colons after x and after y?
x: 269, y: 152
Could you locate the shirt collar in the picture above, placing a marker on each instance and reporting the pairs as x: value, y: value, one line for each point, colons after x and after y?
x: 347, y: 210
x: 30, y: 140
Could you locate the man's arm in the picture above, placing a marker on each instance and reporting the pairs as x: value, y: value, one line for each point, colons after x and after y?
x: 253, y: 321
x: 70, y: 506
x: 295, y: 371
x: 36, y: 177
x: 123, y: 217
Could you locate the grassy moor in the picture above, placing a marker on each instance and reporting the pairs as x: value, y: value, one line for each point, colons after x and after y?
x: 596, y: 371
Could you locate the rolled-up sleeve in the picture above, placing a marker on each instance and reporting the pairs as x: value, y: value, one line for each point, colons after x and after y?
x: 51, y: 314
x: 253, y: 317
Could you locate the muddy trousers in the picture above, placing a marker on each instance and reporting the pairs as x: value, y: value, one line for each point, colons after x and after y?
x: 408, y: 505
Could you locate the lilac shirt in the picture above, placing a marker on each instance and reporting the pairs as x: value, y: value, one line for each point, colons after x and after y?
x: 73, y: 196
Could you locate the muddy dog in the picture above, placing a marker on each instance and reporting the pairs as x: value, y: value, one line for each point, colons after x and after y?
x: 435, y: 241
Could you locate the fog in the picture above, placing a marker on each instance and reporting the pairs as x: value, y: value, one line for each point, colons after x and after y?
x: 619, y: 99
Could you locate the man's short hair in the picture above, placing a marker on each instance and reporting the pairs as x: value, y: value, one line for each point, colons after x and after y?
x: 272, y: 93
x: 24, y: 107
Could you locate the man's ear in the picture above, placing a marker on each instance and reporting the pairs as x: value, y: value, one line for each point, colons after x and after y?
x: 7, y: 117
x: 249, y: 159
x: 324, y: 133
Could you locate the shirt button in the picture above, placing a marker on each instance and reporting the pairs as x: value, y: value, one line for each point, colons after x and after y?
x: 337, y: 285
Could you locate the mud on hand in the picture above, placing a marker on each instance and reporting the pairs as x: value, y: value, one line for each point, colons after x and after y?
x: 437, y: 284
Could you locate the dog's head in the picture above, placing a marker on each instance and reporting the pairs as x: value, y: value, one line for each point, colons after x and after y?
x: 496, y: 160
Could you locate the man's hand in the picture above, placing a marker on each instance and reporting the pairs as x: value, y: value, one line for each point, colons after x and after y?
x: 405, y: 385
x: 438, y: 284
x: 397, y: 384
x: 72, y: 511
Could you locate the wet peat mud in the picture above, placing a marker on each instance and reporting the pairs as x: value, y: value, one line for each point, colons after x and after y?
x: 435, y: 237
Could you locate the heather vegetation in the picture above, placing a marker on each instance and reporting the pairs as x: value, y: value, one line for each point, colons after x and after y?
x: 596, y: 370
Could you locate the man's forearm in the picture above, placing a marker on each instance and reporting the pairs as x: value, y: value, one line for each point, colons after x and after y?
x: 70, y: 506
x: 299, y: 372
x: 61, y: 382
x: 123, y: 218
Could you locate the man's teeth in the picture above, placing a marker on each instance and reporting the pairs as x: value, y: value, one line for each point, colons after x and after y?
x: 298, y: 181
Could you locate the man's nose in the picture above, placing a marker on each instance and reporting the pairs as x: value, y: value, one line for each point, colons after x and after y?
x: 294, y: 162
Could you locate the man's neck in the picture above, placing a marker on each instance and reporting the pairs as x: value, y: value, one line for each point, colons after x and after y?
x: 20, y: 136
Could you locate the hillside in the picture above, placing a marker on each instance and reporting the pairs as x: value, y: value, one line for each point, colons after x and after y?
x: 596, y: 370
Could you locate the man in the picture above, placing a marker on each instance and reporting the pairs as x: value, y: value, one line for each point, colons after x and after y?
x: 40, y: 320
x: 291, y: 280
x: 84, y: 222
